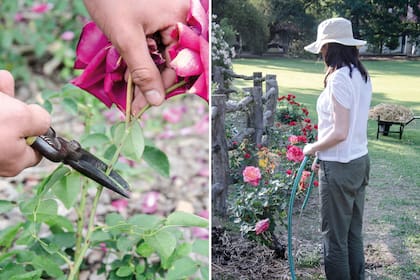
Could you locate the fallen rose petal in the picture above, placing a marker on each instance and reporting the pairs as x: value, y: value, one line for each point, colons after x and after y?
x: 149, y: 204
x: 120, y: 204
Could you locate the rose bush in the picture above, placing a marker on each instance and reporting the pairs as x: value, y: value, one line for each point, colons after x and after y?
x: 261, y: 195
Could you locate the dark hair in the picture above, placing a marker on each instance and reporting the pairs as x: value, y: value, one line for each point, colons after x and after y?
x: 338, y: 55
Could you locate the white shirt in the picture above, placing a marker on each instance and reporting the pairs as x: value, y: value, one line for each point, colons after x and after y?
x: 355, y: 95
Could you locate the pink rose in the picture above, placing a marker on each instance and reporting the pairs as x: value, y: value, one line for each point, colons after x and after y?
x: 295, y: 154
x: 41, y: 8
x: 262, y: 226
x: 293, y: 139
x: 252, y: 175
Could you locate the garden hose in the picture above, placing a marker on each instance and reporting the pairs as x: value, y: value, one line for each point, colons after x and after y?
x: 290, y: 212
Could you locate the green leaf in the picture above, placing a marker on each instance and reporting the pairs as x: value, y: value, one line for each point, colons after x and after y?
x: 182, y: 269
x: 145, y: 250
x: 6, y: 206
x: 126, y: 244
x: 100, y: 236
x: 8, y: 235
x: 143, y: 222
x: 180, y: 218
x: 70, y: 105
x: 37, y: 210
x: 67, y: 189
x: 94, y: 140
x: 60, y: 224
x: 124, y: 271
x: 205, y: 272
x: 64, y: 239
x: 183, y: 250
x: 133, y: 146
x: 163, y: 242
x: 47, y: 105
x: 201, y: 247
x: 49, y: 181
x: 48, y: 265
x: 35, y: 275
x: 156, y: 159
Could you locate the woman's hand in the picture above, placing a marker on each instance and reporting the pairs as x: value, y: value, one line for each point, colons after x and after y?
x: 18, y: 121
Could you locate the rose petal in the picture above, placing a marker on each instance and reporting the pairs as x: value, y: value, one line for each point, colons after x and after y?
x: 187, y: 63
x: 187, y: 38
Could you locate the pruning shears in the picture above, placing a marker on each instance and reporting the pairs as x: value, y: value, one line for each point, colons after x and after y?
x: 71, y: 153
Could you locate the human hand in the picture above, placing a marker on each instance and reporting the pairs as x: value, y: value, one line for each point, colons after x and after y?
x: 315, y: 165
x: 127, y: 24
x: 17, y: 121
x: 309, y: 149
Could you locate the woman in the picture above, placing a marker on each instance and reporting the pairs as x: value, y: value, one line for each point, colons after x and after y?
x: 342, y: 148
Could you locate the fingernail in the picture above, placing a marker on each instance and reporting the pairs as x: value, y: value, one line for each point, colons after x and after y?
x: 154, y: 97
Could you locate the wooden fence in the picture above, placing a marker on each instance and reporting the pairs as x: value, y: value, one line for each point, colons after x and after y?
x: 261, y: 114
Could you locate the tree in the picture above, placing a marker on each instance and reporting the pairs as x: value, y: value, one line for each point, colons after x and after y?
x: 247, y: 20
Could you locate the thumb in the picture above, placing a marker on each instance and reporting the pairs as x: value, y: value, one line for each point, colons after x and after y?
x: 7, y: 83
x: 39, y: 121
x: 143, y: 70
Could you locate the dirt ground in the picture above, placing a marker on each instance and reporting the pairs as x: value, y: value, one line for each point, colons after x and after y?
x: 391, y: 238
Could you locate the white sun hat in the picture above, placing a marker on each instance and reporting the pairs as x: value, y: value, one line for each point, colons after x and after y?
x: 334, y: 30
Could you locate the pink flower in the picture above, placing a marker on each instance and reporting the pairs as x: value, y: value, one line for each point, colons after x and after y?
x: 149, y: 204
x: 67, y: 35
x: 295, y: 154
x: 293, y: 139
x: 252, y: 175
x: 289, y: 172
x: 41, y: 8
x: 120, y: 204
x: 201, y: 233
x: 19, y: 17
x: 104, y: 69
x: 316, y: 184
x: 303, y: 184
x: 262, y: 226
x: 302, y: 139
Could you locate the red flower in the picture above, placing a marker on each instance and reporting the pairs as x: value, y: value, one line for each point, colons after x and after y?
x: 315, y: 126
x: 302, y: 139
x: 303, y: 184
x: 291, y: 96
x: 316, y: 184
x: 305, y: 111
x: 252, y: 175
x: 247, y: 156
x: 292, y: 123
x: 307, y: 120
x: 295, y: 154
x: 289, y: 172
x: 262, y: 226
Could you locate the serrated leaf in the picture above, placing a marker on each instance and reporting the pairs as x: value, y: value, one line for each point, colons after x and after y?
x: 6, y: 206
x: 181, y: 269
x: 70, y: 105
x: 67, y: 189
x: 94, y: 140
x: 8, y: 234
x: 156, y: 159
x: 124, y: 271
x: 201, y: 247
x: 39, y: 210
x: 133, y: 145
x: 143, y: 222
x: 48, y: 265
x: 185, y: 219
x: 145, y: 250
x: 163, y: 242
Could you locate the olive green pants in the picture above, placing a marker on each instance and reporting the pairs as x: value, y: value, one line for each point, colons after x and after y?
x: 342, y: 196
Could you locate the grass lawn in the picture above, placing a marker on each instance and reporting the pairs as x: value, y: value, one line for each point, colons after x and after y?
x: 392, y: 220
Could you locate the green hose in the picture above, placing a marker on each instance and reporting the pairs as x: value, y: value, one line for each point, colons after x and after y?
x: 290, y: 214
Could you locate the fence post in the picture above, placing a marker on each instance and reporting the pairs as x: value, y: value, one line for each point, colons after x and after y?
x: 220, y: 158
x: 257, y: 110
x: 271, y: 104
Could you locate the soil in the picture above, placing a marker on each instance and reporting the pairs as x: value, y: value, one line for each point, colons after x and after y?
x: 390, y: 201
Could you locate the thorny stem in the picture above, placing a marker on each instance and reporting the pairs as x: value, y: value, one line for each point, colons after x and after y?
x: 81, y: 218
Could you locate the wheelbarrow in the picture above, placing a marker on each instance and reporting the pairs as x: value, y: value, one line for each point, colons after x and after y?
x: 384, y: 126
